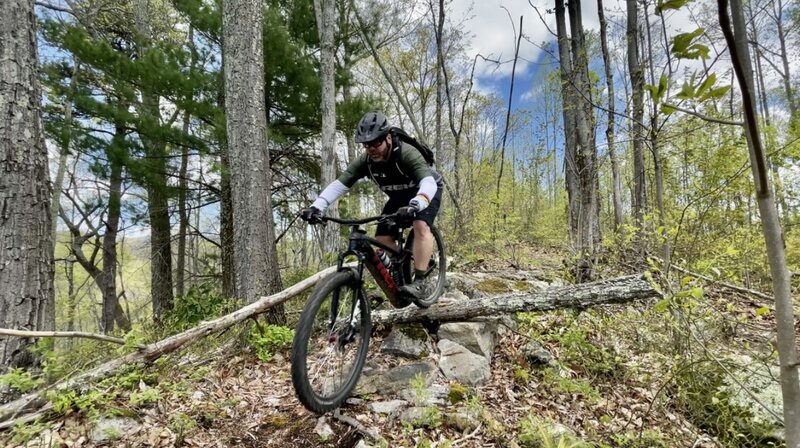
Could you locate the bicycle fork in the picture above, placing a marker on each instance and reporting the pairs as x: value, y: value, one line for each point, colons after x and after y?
x: 349, y: 332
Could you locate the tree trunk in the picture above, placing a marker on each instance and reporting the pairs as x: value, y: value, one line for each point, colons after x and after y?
x: 227, y: 249
x: 617, y: 290
x: 786, y: 75
x: 255, y: 257
x: 639, y: 200
x: 589, y: 212
x: 610, y: 137
x: 64, y: 144
x: 183, y: 215
x: 183, y: 185
x: 570, y: 121
x: 580, y: 153
x: 156, y: 183
x: 658, y: 161
x: 112, y: 312
x: 160, y: 239
x: 784, y: 309
x: 325, y: 10
x: 26, y: 254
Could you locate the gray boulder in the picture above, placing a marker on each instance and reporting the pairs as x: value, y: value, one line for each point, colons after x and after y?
x: 460, y: 364
x: 477, y: 337
x: 391, y: 381
x: 536, y: 354
x: 407, y: 342
x: 386, y: 407
x: 109, y: 429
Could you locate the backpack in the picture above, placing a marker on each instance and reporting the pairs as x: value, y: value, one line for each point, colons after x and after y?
x: 404, y: 137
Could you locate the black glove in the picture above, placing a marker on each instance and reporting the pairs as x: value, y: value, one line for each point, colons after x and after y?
x: 311, y: 215
x: 406, y: 214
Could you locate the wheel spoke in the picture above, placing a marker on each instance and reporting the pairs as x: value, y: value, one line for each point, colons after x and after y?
x: 335, y: 348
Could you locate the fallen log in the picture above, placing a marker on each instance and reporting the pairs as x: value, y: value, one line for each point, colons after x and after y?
x: 617, y: 290
x: 15, y: 411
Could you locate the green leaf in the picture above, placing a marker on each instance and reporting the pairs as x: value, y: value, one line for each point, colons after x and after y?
x: 663, y: 83
x: 762, y: 310
x: 667, y: 109
x: 670, y: 4
x: 684, y: 48
x: 697, y: 293
x: 686, y: 280
x: 695, y: 51
x: 715, y: 94
x: 661, y: 305
x: 657, y: 93
x: 707, y: 84
x: 653, y: 90
x: 686, y: 93
x: 681, y: 42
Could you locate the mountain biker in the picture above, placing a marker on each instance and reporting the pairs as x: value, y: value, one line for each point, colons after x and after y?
x: 414, y: 189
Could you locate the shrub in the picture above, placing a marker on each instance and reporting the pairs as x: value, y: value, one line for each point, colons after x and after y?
x: 269, y: 339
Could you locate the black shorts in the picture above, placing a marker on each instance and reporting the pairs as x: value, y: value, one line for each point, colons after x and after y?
x: 401, y: 200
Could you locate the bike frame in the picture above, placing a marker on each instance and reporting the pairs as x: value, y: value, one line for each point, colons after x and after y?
x: 361, y: 246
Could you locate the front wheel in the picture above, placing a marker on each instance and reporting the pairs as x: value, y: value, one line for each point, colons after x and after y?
x: 434, y: 279
x: 331, y: 342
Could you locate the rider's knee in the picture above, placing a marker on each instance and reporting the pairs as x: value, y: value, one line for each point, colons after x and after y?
x: 421, y: 228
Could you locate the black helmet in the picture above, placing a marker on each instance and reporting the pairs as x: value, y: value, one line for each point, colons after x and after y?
x: 373, y: 125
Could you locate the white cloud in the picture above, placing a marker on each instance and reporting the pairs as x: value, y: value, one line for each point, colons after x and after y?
x: 492, y: 24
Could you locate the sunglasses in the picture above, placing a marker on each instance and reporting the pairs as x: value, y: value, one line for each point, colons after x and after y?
x: 375, y: 143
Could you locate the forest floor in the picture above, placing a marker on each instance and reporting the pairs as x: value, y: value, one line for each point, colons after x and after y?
x: 613, y: 390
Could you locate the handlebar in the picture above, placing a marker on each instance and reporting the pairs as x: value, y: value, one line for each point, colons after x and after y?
x: 379, y: 218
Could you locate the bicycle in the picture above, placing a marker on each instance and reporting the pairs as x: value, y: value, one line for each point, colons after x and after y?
x: 332, y: 337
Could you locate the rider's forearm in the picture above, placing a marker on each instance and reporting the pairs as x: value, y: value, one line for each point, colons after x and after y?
x: 330, y: 194
x: 427, y: 190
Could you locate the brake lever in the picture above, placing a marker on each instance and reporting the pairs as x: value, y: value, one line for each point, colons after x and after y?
x: 391, y: 220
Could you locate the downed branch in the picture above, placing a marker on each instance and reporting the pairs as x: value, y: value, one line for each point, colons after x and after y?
x: 63, y: 334
x: 617, y: 290
x: 33, y: 402
x: 739, y: 289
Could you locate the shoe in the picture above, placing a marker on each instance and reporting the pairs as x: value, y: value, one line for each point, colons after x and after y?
x: 416, y: 290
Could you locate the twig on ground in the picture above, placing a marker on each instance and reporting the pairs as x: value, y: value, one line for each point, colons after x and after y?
x: 363, y: 430
x: 467, y: 437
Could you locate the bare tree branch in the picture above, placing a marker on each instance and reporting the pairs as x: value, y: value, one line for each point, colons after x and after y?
x: 64, y: 334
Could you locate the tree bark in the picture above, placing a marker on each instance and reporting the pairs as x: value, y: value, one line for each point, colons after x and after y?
x: 227, y: 249
x: 770, y: 224
x: 786, y: 76
x: 112, y: 311
x: 255, y: 257
x: 580, y: 152
x: 585, y: 295
x: 639, y: 200
x: 64, y: 144
x: 26, y: 253
x: 325, y: 10
x: 183, y: 185
x: 155, y: 150
x: 569, y: 112
x: 610, y: 129
x: 589, y: 212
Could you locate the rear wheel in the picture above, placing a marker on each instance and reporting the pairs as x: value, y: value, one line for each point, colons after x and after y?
x: 434, y: 278
x: 331, y: 343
